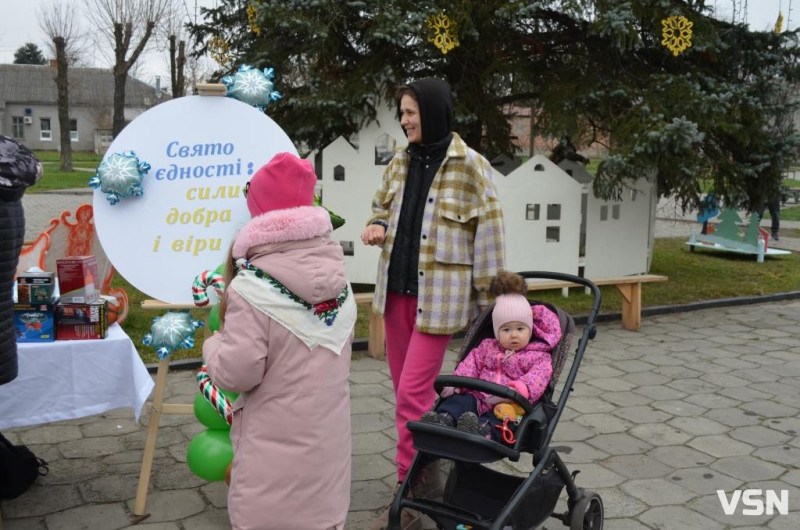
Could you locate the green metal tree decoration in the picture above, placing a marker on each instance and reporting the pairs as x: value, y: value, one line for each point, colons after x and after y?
x: 728, y: 228
x: 752, y: 234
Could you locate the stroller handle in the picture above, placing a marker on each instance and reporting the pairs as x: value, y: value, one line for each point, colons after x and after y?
x: 560, y: 276
x: 480, y: 385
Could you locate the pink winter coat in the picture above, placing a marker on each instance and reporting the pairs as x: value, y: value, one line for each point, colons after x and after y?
x: 528, y: 371
x: 291, y: 426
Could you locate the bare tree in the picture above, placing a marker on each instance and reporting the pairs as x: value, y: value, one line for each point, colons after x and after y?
x: 176, y: 66
x: 128, y: 25
x: 60, y: 25
x: 174, y: 33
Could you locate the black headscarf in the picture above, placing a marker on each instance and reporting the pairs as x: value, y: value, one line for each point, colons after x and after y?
x: 435, y: 108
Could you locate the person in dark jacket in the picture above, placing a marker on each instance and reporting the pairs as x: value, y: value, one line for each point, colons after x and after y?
x: 437, y: 218
x: 19, y: 169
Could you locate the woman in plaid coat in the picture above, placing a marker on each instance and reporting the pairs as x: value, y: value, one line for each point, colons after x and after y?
x: 437, y: 218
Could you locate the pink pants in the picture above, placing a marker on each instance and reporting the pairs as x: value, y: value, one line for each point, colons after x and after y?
x: 415, y: 359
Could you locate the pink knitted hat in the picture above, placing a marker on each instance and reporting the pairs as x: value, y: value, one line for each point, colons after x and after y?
x: 284, y: 182
x: 511, y: 308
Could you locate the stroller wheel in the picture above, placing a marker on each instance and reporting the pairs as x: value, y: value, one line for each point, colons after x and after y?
x: 587, y: 514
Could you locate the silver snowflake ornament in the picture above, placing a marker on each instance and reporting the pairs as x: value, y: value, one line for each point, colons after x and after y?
x: 120, y: 175
x: 252, y: 86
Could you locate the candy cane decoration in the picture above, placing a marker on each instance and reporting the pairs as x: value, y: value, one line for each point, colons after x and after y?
x: 212, y: 394
x: 202, y: 282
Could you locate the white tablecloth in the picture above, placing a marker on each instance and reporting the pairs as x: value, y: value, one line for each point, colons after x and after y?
x: 69, y: 379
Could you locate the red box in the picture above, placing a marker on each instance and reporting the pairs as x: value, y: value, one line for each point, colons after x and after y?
x: 81, y: 321
x: 77, y: 279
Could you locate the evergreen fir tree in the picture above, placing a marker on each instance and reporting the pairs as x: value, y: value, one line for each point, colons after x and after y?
x: 29, y: 53
x: 718, y: 111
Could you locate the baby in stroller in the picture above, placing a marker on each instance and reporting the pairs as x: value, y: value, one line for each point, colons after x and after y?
x: 518, y: 356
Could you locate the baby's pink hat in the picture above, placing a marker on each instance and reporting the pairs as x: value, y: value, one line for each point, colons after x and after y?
x: 284, y: 182
x: 511, y: 308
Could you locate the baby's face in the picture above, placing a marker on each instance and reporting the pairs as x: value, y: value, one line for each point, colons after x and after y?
x: 514, y: 335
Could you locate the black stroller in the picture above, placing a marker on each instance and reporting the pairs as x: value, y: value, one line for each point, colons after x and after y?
x: 477, y: 497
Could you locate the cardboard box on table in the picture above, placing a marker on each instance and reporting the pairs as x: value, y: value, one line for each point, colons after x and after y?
x: 81, y: 321
x: 77, y: 279
x: 35, y: 287
x: 34, y: 322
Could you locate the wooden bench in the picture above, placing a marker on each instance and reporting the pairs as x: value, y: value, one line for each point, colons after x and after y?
x: 630, y: 287
x: 376, y: 338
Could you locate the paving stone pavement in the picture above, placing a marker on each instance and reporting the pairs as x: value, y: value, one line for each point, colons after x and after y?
x: 43, y: 206
x: 658, y: 421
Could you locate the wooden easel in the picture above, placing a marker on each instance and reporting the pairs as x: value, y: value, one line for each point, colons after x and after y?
x: 157, y: 408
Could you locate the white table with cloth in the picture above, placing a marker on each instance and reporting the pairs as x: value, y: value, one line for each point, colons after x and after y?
x: 69, y: 379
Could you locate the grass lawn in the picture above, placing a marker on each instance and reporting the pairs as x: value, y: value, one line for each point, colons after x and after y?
x: 786, y: 214
x: 693, y: 277
x: 53, y: 179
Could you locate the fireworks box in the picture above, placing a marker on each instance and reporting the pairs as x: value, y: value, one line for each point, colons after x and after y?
x: 34, y: 322
x: 77, y: 279
x: 81, y: 321
x: 35, y: 287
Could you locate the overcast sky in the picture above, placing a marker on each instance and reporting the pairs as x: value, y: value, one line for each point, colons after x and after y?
x: 19, y: 24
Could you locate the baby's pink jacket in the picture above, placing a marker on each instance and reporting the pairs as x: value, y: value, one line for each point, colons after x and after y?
x: 527, y: 371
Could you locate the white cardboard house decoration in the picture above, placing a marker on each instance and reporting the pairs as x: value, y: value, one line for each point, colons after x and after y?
x: 351, y: 173
x: 553, y: 221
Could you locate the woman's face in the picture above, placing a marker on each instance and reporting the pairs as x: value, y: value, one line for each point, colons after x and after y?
x: 410, y: 120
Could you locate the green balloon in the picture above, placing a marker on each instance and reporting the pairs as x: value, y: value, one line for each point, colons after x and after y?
x: 213, y: 318
x: 207, y: 414
x: 209, y: 454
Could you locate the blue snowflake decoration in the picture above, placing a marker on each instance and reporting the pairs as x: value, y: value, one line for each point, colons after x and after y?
x: 120, y: 175
x: 171, y: 331
x: 252, y: 86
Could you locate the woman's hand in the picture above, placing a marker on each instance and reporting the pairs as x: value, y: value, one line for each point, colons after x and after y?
x: 373, y: 235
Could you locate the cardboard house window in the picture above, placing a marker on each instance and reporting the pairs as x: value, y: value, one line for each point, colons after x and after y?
x: 553, y: 234
x: 532, y: 212
x: 615, y: 211
x: 553, y: 212
x: 604, y: 212
x: 348, y: 248
x: 44, y: 129
x: 384, y: 149
x: 338, y: 173
x: 17, y: 127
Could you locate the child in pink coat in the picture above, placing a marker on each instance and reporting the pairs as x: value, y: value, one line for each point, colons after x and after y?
x: 517, y: 357
x: 285, y: 344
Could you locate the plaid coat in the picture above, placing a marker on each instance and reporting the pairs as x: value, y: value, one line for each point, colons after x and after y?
x: 461, y: 246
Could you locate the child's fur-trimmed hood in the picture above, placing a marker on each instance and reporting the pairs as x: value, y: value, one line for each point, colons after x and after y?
x: 280, y: 226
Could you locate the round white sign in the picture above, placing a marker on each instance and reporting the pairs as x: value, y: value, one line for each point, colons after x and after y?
x: 202, y: 150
